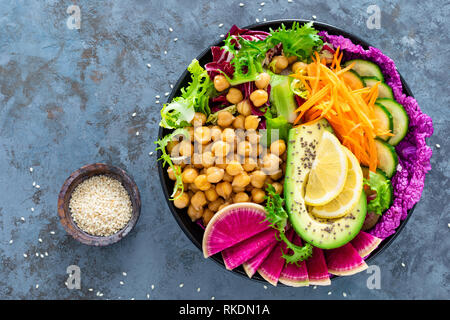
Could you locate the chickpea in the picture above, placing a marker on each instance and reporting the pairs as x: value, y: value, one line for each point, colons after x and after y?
x: 214, y: 205
x: 175, y: 152
x: 253, y: 136
x: 207, y: 159
x: 198, y: 200
x: 278, y: 187
x: 199, y: 119
x: 249, y: 164
x: 221, y: 83
x: 244, y: 107
x: 186, y: 148
x: 227, y: 177
x: 202, y: 135
x: 181, y: 201
x: 244, y: 148
x: 195, y: 214
x: 241, y: 180
x: 271, y: 163
x: 171, y: 145
x: 234, y: 168
x: 216, y: 133
x: 280, y: 62
x: 292, y: 59
x: 251, y: 122
x: 257, y: 178
x: 224, y: 119
x: 228, y: 135
x: 262, y: 81
x: 241, y: 197
x: 221, y: 163
x: 207, y: 216
x: 189, y: 175
x: 296, y: 67
x: 221, y: 149
x: 191, y: 133
x: 259, y: 97
x: 192, y: 187
x: 234, y: 96
x: 278, y: 147
x: 201, y: 182
x: 238, y: 122
x: 171, y: 172
x: 237, y: 190
x: 196, y: 161
x: 277, y: 175
x: 258, y: 195
x: 224, y: 189
x: 214, y: 174
x: 211, y: 194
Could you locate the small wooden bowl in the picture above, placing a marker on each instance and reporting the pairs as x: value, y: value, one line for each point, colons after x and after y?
x: 79, y: 176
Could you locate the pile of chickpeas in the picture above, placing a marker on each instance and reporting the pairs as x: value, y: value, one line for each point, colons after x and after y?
x: 225, y: 163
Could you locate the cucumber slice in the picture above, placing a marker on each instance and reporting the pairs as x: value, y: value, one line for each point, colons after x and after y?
x: 384, y: 91
x: 385, y: 118
x: 387, y: 157
x: 381, y: 176
x: 353, y: 80
x: 366, y: 68
x: 400, y: 118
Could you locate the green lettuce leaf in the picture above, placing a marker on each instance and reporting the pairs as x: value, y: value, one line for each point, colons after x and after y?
x: 382, y: 187
x: 194, y: 98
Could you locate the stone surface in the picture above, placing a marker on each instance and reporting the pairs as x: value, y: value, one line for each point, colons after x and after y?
x: 67, y: 97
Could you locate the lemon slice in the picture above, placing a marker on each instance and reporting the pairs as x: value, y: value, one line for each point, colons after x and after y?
x: 349, y: 196
x: 328, y: 172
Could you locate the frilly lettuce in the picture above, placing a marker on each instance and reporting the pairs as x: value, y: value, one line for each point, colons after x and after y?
x: 383, y: 189
x: 194, y: 98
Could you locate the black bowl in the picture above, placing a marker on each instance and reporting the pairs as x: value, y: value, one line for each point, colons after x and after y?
x: 192, y: 229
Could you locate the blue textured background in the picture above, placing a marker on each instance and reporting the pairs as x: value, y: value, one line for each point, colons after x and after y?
x: 67, y: 99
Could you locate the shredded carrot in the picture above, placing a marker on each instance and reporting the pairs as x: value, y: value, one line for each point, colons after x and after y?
x: 350, y: 112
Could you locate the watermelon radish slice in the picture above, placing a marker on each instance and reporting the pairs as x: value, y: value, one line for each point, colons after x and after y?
x: 344, y: 261
x: 239, y: 253
x: 365, y: 243
x: 254, y: 263
x: 317, y: 268
x: 233, y: 224
x: 271, y: 268
x: 295, y: 275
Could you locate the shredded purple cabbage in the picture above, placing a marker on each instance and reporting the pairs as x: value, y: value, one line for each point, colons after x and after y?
x: 413, y: 152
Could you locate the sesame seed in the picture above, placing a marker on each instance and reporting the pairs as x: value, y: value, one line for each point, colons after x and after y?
x: 222, y: 36
x: 40, y: 240
x: 25, y: 255
x: 241, y: 4
x: 31, y: 169
x: 52, y: 232
x: 171, y: 86
x: 157, y: 101
x: 314, y: 17
x: 42, y: 256
x: 37, y: 254
x: 37, y: 286
x: 181, y: 285
x: 198, y: 289
x: 46, y: 253
x: 137, y: 133
x: 265, y: 287
x: 165, y: 51
x: 38, y: 186
x: 22, y: 218
x: 132, y: 299
x: 344, y: 294
x: 213, y: 298
x: 90, y: 289
x: 264, y: 19
x: 166, y: 94
x: 257, y: 20
x: 32, y: 209
x: 262, y: 4
x: 149, y: 65
x: 148, y: 296
x: 157, y: 97
x: 438, y: 145
x: 175, y: 39
x: 448, y: 225
x: 403, y: 265
x: 134, y: 114
x: 153, y: 286
x: 170, y: 29
x: 150, y: 153
x: 290, y: 1
x: 124, y: 274
x: 11, y: 241
x: 121, y: 283
x: 220, y: 25
x: 259, y: 9
x: 34, y: 183
x: 329, y: 293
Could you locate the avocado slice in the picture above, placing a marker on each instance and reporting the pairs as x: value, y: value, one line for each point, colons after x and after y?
x: 322, y: 233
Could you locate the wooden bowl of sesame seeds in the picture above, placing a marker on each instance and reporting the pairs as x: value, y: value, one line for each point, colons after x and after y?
x: 115, y: 209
